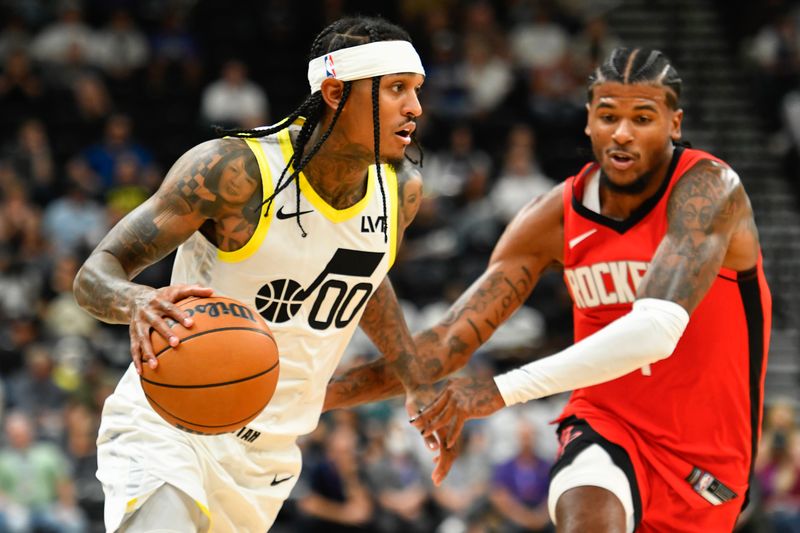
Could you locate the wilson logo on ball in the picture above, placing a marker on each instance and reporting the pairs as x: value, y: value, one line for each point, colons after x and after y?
x: 217, y: 309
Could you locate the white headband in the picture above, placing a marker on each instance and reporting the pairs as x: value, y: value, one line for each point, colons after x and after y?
x: 364, y: 61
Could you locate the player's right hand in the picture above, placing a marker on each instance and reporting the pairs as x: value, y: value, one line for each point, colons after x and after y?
x: 149, y: 309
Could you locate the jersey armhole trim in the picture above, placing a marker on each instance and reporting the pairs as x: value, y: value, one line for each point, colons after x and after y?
x: 393, y: 224
x: 263, y: 221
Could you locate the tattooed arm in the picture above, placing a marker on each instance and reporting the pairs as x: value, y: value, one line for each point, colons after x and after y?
x: 211, y: 182
x: 514, y: 268
x: 710, y: 225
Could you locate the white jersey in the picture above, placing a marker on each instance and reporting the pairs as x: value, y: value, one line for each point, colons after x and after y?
x: 311, y: 290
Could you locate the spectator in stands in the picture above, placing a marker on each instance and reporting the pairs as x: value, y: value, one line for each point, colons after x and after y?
x: 122, y: 49
x: 35, y: 483
x: 338, y: 499
x: 519, y: 487
x: 81, y: 432
x: 399, y: 485
x: 175, y: 61
x: 32, y: 159
x: 13, y: 36
x: 16, y: 335
x: 480, y: 23
x: 20, y: 219
x: 446, y: 92
x: 128, y: 189
x: 594, y: 42
x: 75, y: 221
x: 521, y: 178
x: 234, y: 101
x: 459, y: 173
x: 33, y: 391
x: 779, y: 480
x: 67, y: 35
x: 538, y: 42
x: 775, y: 52
x: 488, y: 76
x: 22, y: 92
x: 61, y: 315
x: 117, y: 143
x: 81, y: 114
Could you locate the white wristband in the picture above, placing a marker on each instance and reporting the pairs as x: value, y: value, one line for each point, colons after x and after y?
x: 647, y: 334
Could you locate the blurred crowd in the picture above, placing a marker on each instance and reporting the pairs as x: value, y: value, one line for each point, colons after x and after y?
x: 99, y: 98
x: 771, y: 51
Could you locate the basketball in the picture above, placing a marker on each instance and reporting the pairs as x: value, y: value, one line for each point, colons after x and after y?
x: 221, y: 375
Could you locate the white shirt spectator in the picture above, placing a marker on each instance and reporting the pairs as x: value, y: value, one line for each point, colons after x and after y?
x: 61, y: 40
x: 234, y: 100
x: 120, y: 45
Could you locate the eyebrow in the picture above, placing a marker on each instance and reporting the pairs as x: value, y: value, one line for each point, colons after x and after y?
x: 640, y: 107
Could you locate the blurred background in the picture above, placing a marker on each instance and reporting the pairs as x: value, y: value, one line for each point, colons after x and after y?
x: 99, y: 97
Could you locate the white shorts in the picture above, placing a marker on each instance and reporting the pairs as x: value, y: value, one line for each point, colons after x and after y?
x: 593, y: 467
x: 238, y: 486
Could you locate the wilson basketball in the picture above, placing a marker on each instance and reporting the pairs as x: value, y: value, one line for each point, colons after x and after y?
x: 221, y: 375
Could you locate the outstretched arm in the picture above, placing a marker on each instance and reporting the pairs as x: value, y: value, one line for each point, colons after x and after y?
x: 514, y: 268
x: 186, y: 199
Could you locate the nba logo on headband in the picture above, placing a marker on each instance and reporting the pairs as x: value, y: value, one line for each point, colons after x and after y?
x: 364, y: 61
x: 330, y: 72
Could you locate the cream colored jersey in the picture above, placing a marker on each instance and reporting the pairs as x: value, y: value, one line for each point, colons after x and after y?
x: 311, y: 285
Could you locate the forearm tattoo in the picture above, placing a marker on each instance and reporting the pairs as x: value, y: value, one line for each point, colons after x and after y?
x: 473, y: 318
x: 385, y: 325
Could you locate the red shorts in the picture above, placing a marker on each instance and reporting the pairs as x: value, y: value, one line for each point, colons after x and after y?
x: 658, y: 508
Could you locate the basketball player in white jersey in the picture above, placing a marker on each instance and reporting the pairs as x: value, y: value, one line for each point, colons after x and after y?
x: 296, y: 220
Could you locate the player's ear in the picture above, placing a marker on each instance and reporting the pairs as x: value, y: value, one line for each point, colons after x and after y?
x: 332, y: 91
x: 677, y: 119
x: 587, y: 130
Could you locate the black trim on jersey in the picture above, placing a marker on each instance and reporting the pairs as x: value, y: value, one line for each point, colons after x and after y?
x: 743, y: 275
x: 750, y: 291
x: 619, y: 456
x: 621, y: 226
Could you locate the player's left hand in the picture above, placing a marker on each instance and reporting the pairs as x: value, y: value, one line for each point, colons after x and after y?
x: 416, y: 400
x: 459, y: 400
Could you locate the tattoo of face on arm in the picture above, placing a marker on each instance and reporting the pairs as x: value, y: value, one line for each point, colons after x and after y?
x: 704, y: 208
x: 223, y: 184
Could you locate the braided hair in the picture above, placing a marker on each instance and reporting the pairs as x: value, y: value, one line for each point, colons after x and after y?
x: 638, y: 65
x: 344, y: 33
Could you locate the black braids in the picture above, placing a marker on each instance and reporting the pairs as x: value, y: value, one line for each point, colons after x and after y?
x: 418, y: 146
x: 376, y: 132
x: 297, y: 156
x: 314, y: 149
x: 326, y: 134
x: 639, y: 65
x: 312, y: 104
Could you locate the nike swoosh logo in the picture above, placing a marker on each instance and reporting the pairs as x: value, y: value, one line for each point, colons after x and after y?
x: 276, y: 481
x: 580, y: 238
x: 282, y: 216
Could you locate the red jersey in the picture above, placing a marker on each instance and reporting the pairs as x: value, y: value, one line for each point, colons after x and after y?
x: 702, y: 406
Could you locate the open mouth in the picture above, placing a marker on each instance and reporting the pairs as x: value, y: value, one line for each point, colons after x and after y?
x: 621, y: 160
x: 405, y: 133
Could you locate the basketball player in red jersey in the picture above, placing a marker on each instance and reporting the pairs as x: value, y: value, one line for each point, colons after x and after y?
x: 672, y: 318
